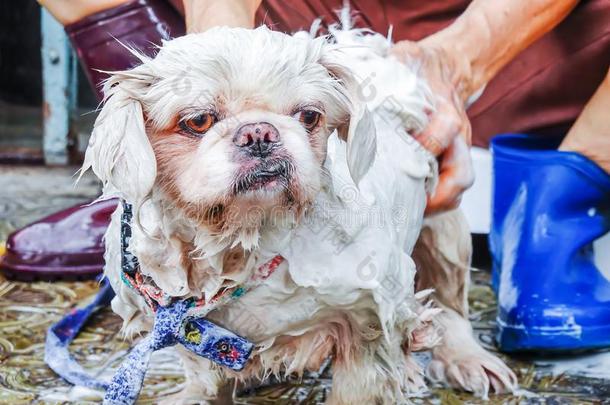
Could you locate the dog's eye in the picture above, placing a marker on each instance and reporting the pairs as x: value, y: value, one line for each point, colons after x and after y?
x: 199, y: 124
x: 308, y: 118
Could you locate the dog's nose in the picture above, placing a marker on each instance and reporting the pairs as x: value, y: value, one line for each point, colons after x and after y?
x: 259, y: 138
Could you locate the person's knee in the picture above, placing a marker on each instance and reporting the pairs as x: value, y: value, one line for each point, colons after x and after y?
x: 71, y: 11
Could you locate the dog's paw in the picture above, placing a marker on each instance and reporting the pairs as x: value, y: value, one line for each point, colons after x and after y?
x: 474, y: 370
x: 414, y: 383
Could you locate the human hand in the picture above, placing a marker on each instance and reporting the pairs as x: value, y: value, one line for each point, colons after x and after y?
x: 448, y: 133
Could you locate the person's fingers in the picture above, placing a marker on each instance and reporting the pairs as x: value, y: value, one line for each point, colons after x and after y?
x: 406, y: 51
x: 448, y: 133
x: 455, y: 176
x: 466, y: 131
x: 444, y: 125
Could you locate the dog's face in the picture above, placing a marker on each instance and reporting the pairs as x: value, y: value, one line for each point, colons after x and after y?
x: 224, y: 122
x: 247, y: 125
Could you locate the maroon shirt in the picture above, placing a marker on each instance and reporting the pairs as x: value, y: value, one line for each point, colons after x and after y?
x: 411, y: 19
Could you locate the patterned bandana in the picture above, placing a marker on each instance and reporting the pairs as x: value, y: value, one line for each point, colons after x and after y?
x: 172, y: 325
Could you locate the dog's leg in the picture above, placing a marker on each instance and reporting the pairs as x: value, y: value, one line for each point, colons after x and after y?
x: 371, y: 375
x: 462, y: 363
x: 442, y: 254
x: 201, y: 383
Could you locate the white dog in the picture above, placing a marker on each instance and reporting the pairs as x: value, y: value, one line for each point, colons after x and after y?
x: 237, y: 145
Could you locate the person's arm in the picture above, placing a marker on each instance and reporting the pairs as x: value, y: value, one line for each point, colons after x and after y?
x: 203, y: 14
x: 489, y: 34
x: 590, y: 134
x: 457, y: 62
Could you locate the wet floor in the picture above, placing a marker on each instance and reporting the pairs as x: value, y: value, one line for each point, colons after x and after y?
x: 28, y: 309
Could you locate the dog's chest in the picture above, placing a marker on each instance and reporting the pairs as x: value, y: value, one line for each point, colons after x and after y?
x: 281, y: 307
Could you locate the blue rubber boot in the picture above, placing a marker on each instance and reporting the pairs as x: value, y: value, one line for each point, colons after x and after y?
x: 548, y: 208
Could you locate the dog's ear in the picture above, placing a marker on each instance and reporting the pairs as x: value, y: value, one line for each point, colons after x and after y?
x: 360, y: 134
x: 358, y: 130
x: 119, y: 151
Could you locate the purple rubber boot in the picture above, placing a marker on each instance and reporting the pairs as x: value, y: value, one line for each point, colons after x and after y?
x: 139, y: 24
x: 68, y: 244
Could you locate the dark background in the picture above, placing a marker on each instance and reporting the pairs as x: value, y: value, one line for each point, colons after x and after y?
x: 20, y: 59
